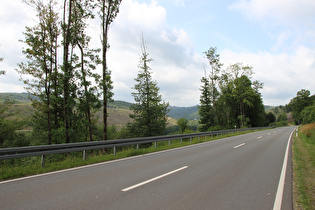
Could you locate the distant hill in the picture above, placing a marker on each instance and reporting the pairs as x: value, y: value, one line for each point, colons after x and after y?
x: 16, y: 97
x: 119, y: 104
x: 118, y: 111
x: 190, y: 113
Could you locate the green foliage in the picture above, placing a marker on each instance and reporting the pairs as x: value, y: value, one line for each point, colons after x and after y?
x: 149, y: 112
x: 119, y: 104
x: 18, y: 98
x: 298, y: 103
x: 191, y: 113
x: 214, y: 76
x: 174, y: 129
x: 112, y: 132
x: 205, y: 108
x: 9, y: 129
x: 66, y: 94
x: 270, y: 118
x: 308, y: 115
x: 182, y: 124
x: 282, y: 117
x: 239, y: 102
x: 304, y: 167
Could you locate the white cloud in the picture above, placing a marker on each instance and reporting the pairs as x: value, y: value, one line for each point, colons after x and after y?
x: 282, y: 74
x: 289, y: 23
x: 14, y: 16
x: 175, y: 66
x: 180, y: 3
x: 284, y: 11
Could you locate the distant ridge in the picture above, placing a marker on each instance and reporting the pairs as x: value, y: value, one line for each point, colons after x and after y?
x: 16, y: 97
x: 119, y: 104
x: 176, y: 112
x: 190, y: 113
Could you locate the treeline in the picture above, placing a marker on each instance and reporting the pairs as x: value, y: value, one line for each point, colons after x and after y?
x: 67, y: 92
x: 229, y: 98
x: 302, y: 107
x: 61, y: 65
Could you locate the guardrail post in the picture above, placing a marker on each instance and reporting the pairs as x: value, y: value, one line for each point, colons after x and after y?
x: 43, y: 161
x: 181, y: 140
x: 84, y: 157
x: 205, y: 137
x: 169, y: 143
x: 198, y: 138
x: 155, y: 145
x: 115, y: 151
x: 190, y: 139
x: 137, y: 146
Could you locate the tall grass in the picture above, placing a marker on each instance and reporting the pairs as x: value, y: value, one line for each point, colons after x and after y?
x: 304, y: 168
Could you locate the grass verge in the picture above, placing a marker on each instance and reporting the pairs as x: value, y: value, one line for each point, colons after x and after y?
x: 304, y: 168
x: 21, y: 167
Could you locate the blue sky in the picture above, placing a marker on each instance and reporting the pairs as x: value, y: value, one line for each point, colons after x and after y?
x: 277, y: 38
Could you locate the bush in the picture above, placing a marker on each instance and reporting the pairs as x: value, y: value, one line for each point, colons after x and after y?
x: 308, y: 115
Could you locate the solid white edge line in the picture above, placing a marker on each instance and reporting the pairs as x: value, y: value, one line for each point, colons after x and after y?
x: 279, y: 195
x: 153, y: 179
x: 239, y: 145
x: 259, y: 137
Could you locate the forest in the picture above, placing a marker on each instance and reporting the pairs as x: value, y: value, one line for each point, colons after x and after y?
x: 66, y: 92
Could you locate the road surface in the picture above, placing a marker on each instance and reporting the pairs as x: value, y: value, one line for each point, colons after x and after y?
x: 240, y: 172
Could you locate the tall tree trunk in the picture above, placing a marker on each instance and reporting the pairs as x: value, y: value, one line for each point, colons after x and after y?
x: 87, y: 100
x: 55, y: 81
x: 66, y: 66
x: 104, y: 57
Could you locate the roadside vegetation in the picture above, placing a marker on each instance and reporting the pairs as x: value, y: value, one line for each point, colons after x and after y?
x: 304, y: 168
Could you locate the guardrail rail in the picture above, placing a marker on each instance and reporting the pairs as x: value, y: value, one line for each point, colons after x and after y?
x: 19, y: 152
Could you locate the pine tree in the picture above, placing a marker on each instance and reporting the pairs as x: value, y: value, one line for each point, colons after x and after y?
x: 205, y: 108
x: 149, y: 112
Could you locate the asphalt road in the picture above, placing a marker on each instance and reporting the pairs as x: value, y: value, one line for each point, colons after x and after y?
x: 239, y: 172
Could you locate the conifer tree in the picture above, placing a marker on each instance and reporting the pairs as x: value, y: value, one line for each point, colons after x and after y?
x: 205, y: 108
x: 149, y: 112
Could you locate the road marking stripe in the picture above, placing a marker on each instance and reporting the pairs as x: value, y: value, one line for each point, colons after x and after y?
x: 279, y: 195
x: 153, y: 179
x: 239, y: 145
x: 269, y: 134
x: 259, y: 137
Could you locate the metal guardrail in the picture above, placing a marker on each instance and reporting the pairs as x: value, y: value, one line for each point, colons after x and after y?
x: 19, y: 152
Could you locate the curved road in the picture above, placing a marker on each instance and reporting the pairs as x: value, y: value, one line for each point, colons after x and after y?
x: 239, y: 172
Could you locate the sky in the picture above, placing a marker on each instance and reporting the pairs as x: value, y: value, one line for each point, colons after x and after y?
x: 276, y: 38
